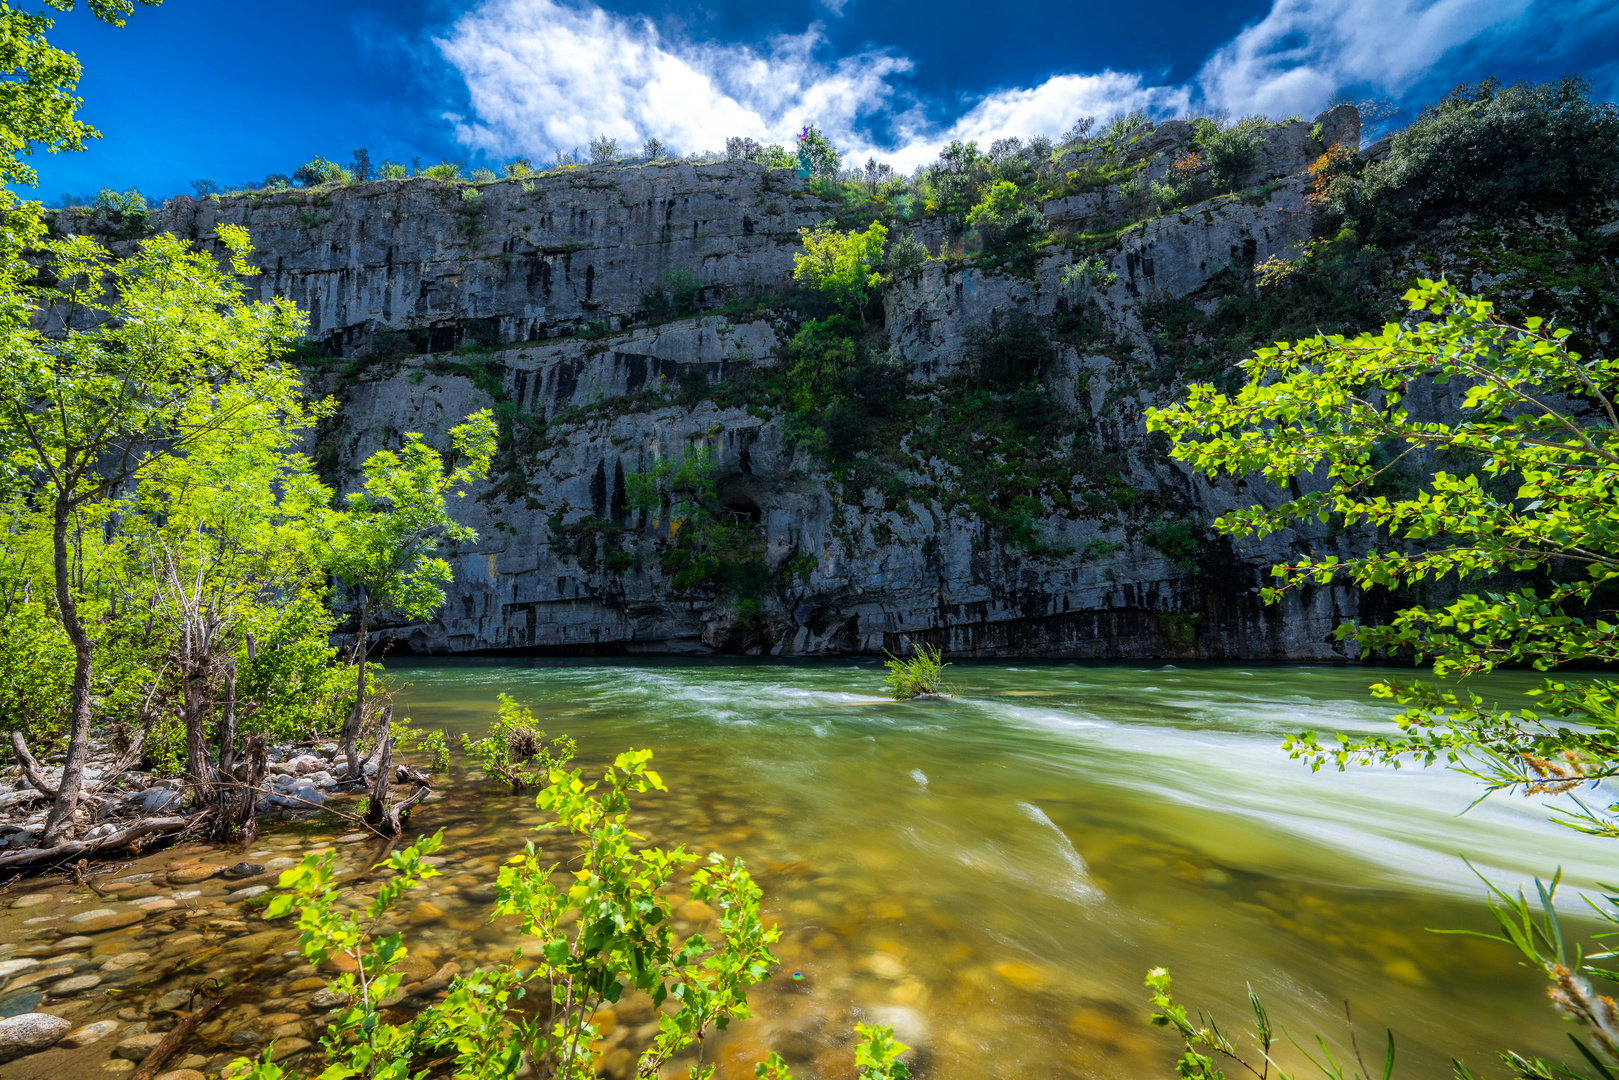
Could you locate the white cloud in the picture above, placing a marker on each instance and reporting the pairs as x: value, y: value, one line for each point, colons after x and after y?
x: 544, y: 75
x: 1303, y: 51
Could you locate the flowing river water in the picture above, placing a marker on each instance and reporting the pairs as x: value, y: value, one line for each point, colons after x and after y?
x: 992, y: 873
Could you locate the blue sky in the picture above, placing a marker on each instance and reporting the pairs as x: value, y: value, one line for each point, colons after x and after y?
x: 233, y: 91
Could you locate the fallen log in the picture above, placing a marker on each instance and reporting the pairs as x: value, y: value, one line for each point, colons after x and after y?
x: 73, y: 849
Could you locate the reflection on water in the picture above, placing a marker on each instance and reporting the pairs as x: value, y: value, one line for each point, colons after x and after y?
x: 994, y: 873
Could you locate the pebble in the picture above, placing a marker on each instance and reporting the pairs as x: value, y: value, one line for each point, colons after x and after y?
x: 92, y: 922
x: 137, y: 1047
x: 75, y: 985
x: 182, y: 1074
x: 33, y: 900
x: 78, y: 942
x: 191, y: 873
x: 124, y: 961
x: 154, y: 903
x: 326, y: 999
x: 249, y: 893
x: 118, y: 1066
x: 14, y: 967
x: 89, y: 1033
x: 29, y: 1033
x: 350, y: 838
x: 285, y: 1048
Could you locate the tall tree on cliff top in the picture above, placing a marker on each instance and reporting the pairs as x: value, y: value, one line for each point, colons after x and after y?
x: 385, y: 545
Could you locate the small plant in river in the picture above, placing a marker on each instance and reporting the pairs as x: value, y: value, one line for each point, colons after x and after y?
x: 921, y: 675
x: 515, y: 749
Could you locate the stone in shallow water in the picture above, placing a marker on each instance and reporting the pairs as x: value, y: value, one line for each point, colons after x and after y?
x: 191, y: 873
x: 92, y: 922
x: 88, y: 1034
x: 28, y: 1033
x: 124, y: 961
x: 68, y: 944
x: 118, y: 1066
x: 136, y: 1047
x: 33, y: 900
x: 182, y: 1074
x: 250, y: 892
x: 16, y: 967
x: 287, y: 1047
x: 77, y: 984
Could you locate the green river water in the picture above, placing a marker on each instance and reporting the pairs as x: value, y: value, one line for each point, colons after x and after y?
x: 991, y: 873
x: 995, y: 872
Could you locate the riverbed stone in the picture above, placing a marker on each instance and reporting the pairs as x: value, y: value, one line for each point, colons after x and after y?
x: 191, y: 873
x: 94, y: 922
x: 285, y: 1048
x: 136, y: 1047
x: 124, y: 961
x: 29, y: 1033
x: 9, y: 968
x: 183, y: 1074
x: 44, y: 975
x: 304, y: 986
x: 250, y: 892
x: 33, y: 900
x: 76, y: 985
x: 118, y: 1066
x: 328, y: 998
x: 83, y: 1036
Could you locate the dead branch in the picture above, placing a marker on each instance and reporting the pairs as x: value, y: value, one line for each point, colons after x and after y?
x: 160, y: 1053
x: 76, y: 848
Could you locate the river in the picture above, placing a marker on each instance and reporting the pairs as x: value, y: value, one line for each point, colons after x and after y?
x: 995, y: 872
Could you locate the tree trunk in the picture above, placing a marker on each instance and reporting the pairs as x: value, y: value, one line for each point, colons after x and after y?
x: 193, y: 691
x: 227, y: 728
x: 78, y: 740
x: 351, y: 725
x: 379, y: 790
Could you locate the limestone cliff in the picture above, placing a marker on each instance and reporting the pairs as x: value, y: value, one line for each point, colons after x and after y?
x: 431, y: 299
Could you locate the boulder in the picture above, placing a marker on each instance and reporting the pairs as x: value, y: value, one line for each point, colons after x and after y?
x: 30, y: 1033
x: 1340, y: 125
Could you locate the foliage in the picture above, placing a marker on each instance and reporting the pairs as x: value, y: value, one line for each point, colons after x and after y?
x: 384, y: 543
x: 921, y: 674
x: 679, y: 296
x: 1005, y: 223
x: 843, y: 266
x: 1009, y: 349
x: 604, y: 929
x: 515, y: 749
x: 1535, y: 431
x: 1488, y: 149
x: 318, y: 171
x: 708, y: 547
x: 905, y: 253
x: 816, y: 154
x: 603, y: 150
x: 876, y: 1055
x: 1231, y: 152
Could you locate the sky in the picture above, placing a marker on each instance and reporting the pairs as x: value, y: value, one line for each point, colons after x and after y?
x: 234, y: 91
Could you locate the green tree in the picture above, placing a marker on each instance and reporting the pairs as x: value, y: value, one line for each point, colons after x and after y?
x: 1514, y: 489
x: 385, y: 543
x: 843, y: 266
x: 816, y: 154
x: 87, y: 412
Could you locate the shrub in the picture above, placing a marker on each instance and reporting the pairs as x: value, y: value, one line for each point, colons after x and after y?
x: 392, y: 170
x: 320, y: 171
x: 653, y: 149
x: 444, y: 170
x: 603, y: 150
x: 518, y: 168
x: 515, y: 749
x: 1009, y: 349
x: 905, y: 252
x: 817, y: 155
x: 483, y: 175
x: 604, y: 928
x: 1489, y: 148
x: 921, y: 675
x: 843, y: 266
x: 1230, y: 153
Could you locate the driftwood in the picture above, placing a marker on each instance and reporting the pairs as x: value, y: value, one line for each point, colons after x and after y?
x: 73, y: 849
x: 389, y: 820
x: 171, y: 1042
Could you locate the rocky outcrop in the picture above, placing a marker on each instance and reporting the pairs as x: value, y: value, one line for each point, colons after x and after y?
x: 552, y: 278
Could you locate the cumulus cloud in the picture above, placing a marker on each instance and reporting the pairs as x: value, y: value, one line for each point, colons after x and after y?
x: 543, y: 75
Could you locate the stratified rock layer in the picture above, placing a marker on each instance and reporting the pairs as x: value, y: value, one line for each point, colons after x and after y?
x: 564, y: 262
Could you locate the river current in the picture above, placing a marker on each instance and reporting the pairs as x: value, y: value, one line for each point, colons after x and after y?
x: 995, y: 872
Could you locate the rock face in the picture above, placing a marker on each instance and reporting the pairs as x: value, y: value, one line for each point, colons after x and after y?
x: 554, y: 277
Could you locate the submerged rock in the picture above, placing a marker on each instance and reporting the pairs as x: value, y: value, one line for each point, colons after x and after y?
x: 29, y: 1033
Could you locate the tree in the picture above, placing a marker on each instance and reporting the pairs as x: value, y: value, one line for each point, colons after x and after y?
x: 1529, y: 512
x: 85, y: 413
x: 816, y: 154
x: 841, y: 265
x: 384, y: 544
